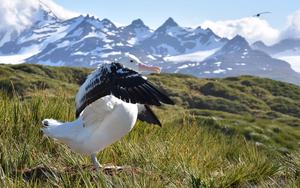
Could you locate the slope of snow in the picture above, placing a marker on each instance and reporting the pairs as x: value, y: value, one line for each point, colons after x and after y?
x: 15, y: 59
x: 292, y: 57
x: 6, y: 37
x: 294, y: 61
x: 140, y: 34
x: 194, y: 57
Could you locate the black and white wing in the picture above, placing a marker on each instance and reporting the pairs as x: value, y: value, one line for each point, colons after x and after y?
x: 121, y: 82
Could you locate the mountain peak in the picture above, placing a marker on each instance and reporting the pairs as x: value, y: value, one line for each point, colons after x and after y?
x: 238, y: 37
x: 259, y: 44
x: 44, y: 13
x: 138, y: 22
x: 107, y: 22
x: 170, y: 22
x: 167, y: 24
x: 239, y: 40
x: 237, y: 44
x: 208, y: 30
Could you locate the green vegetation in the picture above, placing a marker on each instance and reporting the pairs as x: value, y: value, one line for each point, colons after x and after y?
x: 233, y: 132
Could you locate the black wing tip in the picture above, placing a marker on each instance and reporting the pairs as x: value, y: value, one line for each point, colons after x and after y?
x: 159, y: 123
x: 149, y: 116
x: 160, y: 94
x: 169, y: 101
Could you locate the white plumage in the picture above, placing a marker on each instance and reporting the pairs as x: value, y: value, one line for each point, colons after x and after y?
x: 107, y: 109
x: 100, y: 125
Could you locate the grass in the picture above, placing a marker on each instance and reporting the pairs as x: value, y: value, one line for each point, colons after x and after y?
x: 201, y: 144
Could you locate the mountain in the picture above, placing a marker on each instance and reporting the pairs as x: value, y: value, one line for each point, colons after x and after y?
x: 86, y: 41
x: 290, y: 45
x: 170, y: 39
x: 42, y: 16
x: 236, y: 58
x: 135, y: 32
x: 286, y: 49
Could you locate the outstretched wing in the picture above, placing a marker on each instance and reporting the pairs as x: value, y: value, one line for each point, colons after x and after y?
x: 121, y: 82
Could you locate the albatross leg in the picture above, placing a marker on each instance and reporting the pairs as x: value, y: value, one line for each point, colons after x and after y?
x: 108, y: 169
x: 97, y: 165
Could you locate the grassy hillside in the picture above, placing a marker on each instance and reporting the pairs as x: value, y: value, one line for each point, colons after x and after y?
x: 234, y: 132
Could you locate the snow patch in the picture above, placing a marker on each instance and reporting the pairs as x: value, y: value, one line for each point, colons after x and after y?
x: 294, y: 61
x: 110, y: 54
x: 18, y: 58
x: 194, y: 57
x: 170, y: 50
x: 218, y: 63
x: 81, y: 53
x: 151, y: 57
x: 132, y: 41
x: 218, y: 71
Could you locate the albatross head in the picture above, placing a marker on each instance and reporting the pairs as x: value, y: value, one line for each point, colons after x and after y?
x: 132, y: 62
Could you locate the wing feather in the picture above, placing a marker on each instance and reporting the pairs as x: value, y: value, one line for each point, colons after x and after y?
x: 123, y: 83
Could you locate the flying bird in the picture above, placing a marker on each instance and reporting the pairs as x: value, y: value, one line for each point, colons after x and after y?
x: 259, y: 14
x: 108, y: 105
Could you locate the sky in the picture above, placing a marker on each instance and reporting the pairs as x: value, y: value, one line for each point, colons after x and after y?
x: 225, y: 17
x: 185, y: 12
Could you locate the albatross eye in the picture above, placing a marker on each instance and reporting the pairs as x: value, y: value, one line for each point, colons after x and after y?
x: 131, y: 61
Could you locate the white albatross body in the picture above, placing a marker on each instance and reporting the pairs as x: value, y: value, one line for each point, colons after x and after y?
x: 108, y: 105
x: 100, y: 125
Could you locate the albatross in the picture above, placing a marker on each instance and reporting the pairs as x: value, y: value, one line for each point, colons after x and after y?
x: 108, y: 105
x: 260, y: 13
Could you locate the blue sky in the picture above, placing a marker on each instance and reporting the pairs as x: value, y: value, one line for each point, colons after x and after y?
x: 185, y: 12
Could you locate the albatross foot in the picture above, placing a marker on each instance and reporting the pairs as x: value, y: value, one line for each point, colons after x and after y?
x: 113, y: 169
x: 109, y: 169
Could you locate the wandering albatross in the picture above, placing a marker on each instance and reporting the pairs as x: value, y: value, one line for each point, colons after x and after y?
x: 108, y: 105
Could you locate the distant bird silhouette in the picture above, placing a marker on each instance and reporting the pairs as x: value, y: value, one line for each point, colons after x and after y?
x: 259, y: 14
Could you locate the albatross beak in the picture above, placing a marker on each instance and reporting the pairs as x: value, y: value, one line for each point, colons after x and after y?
x: 155, y: 69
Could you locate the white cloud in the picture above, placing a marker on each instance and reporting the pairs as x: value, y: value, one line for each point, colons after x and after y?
x: 16, y: 14
x: 252, y: 28
x: 58, y: 10
x: 293, y: 26
x: 19, y: 14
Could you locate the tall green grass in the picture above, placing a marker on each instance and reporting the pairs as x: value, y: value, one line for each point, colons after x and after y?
x: 185, y: 152
x: 233, y: 132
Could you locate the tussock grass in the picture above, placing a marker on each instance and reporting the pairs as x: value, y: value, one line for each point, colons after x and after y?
x: 233, y: 132
x: 185, y: 152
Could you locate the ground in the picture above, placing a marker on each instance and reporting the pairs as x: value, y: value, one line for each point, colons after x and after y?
x: 233, y: 132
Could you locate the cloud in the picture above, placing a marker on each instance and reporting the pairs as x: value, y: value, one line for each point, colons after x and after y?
x: 292, y: 29
x: 58, y: 10
x: 19, y: 14
x: 252, y: 28
x: 16, y: 13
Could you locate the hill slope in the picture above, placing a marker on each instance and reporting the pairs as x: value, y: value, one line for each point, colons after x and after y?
x: 238, y: 103
x: 203, y: 141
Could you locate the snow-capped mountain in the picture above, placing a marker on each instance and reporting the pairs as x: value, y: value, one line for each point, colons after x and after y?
x: 136, y: 32
x: 238, y: 58
x: 286, y: 49
x: 170, y: 39
x: 88, y: 41
x: 290, y: 45
x: 41, y: 16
